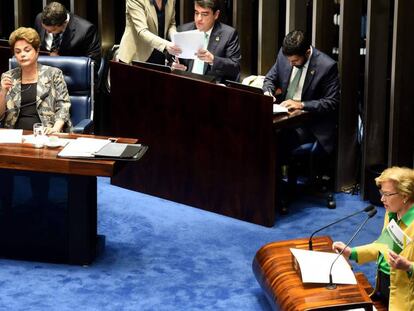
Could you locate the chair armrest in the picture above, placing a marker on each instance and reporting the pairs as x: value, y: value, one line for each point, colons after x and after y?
x: 85, y: 126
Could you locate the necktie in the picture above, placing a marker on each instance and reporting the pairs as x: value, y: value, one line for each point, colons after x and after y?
x: 293, y: 85
x: 198, y: 65
x: 57, y: 39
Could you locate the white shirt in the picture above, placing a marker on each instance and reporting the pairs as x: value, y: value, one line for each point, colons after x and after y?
x: 49, y: 36
x: 198, y: 65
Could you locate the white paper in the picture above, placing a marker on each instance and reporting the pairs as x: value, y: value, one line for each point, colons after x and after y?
x: 315, y: 266
x: 189, y: 42
x: 279, y: 109
x: 83, y: 147
x: 49, y: 141
x: 362, y: 309
x: 397, y: 234
x: 11, y: 136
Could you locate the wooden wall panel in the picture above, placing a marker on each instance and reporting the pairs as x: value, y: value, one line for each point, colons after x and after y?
x: 401, y: 139
x: 376, y: 101
x: 349, y: 50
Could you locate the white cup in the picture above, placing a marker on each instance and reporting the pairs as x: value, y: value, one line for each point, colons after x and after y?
x: 39, y: 135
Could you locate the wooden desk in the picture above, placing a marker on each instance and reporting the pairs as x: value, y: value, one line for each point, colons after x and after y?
x: 283, y: 287
x: 48, y: 205
x: 210, y: 146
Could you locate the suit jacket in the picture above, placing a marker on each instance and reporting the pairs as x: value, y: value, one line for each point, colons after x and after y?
x: 140, y: 37
x: 320, y: 93
x: 52, y: 94
x: 224, y: 45
x: 401, y: 284
x: 80, y: 38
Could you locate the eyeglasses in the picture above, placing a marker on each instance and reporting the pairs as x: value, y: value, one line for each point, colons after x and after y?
x: 387, y: 194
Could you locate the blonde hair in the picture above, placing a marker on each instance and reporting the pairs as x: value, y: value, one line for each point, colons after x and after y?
x: 403, y: 178
x: 25, y: 33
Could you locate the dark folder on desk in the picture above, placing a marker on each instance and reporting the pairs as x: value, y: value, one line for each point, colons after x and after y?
x: 121, y: 151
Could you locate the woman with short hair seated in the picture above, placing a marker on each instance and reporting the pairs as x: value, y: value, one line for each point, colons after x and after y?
x: 32, y: 92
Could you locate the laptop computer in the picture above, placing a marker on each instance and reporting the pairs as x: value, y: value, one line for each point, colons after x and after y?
x: 241, y: 86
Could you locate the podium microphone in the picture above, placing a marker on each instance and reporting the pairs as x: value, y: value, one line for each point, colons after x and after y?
x: 368, y: 209
x: 371, y: 214
x: 41, y: 98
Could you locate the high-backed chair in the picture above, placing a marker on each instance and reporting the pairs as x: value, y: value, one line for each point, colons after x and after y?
x: 79, y: 77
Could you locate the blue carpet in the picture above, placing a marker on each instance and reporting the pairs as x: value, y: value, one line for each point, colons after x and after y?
x: 161, y: 255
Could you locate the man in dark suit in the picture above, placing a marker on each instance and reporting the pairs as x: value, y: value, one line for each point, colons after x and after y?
x: 306, y: 79
x: 66, y: 34
x: 221, y: 55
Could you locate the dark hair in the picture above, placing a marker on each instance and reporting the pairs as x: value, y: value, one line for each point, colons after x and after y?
x: 54, y: 14
x: 295, y: 43
x: 214, y: 5
x: 24, y: 33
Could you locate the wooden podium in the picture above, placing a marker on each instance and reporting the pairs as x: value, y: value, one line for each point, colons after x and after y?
x: 284, y: 289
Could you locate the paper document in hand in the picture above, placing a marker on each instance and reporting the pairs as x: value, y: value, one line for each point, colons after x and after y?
x: 315, y: 266
x: 11, y: 136
x: 393, y: 238
x: 83, y: 148
x: 279, y: 109
x: 189, y: 42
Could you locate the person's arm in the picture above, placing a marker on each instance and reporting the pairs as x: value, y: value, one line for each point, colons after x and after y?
x: 229, y: 64
x: 329, y: 93
x: 136, y: 9
x: 172, y: 27
x: 62, y: 103
x: 400, y: 262
x: 93, y: 46
x: 6, y: 84
x: 339, y: 246
x: 271, y: 80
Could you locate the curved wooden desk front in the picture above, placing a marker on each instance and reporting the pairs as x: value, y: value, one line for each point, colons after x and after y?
x: 283, y: 287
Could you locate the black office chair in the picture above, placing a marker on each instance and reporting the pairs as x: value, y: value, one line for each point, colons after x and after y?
x: 79, y: 77
x: 310, y: 163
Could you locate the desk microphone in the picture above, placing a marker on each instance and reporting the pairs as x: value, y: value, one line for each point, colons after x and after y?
x: 367, y: 210
x: 371, y: 214
x: 41, y: 98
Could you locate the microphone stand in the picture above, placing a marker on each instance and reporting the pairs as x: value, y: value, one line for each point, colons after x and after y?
x: 331, y: 284
x: 367, y: 209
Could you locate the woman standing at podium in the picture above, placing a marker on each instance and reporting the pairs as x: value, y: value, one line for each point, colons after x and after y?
x: 395, y: 276
x: 33, y: 93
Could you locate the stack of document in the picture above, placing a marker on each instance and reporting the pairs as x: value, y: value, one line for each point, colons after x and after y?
x: 11, y: 136
x: 83, y: 148
x: 102, y: 149
x: 315, y: 266
x: 189, y: 42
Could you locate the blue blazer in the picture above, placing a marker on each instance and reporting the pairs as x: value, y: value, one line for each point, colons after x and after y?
x: 224, y: 45
x: 320, y: 94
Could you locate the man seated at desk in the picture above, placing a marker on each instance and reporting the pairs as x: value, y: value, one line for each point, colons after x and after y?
x: 220, y: 56
x: 306, y: 79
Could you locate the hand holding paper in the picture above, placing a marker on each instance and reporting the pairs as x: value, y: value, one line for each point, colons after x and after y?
x: 189, y: 42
